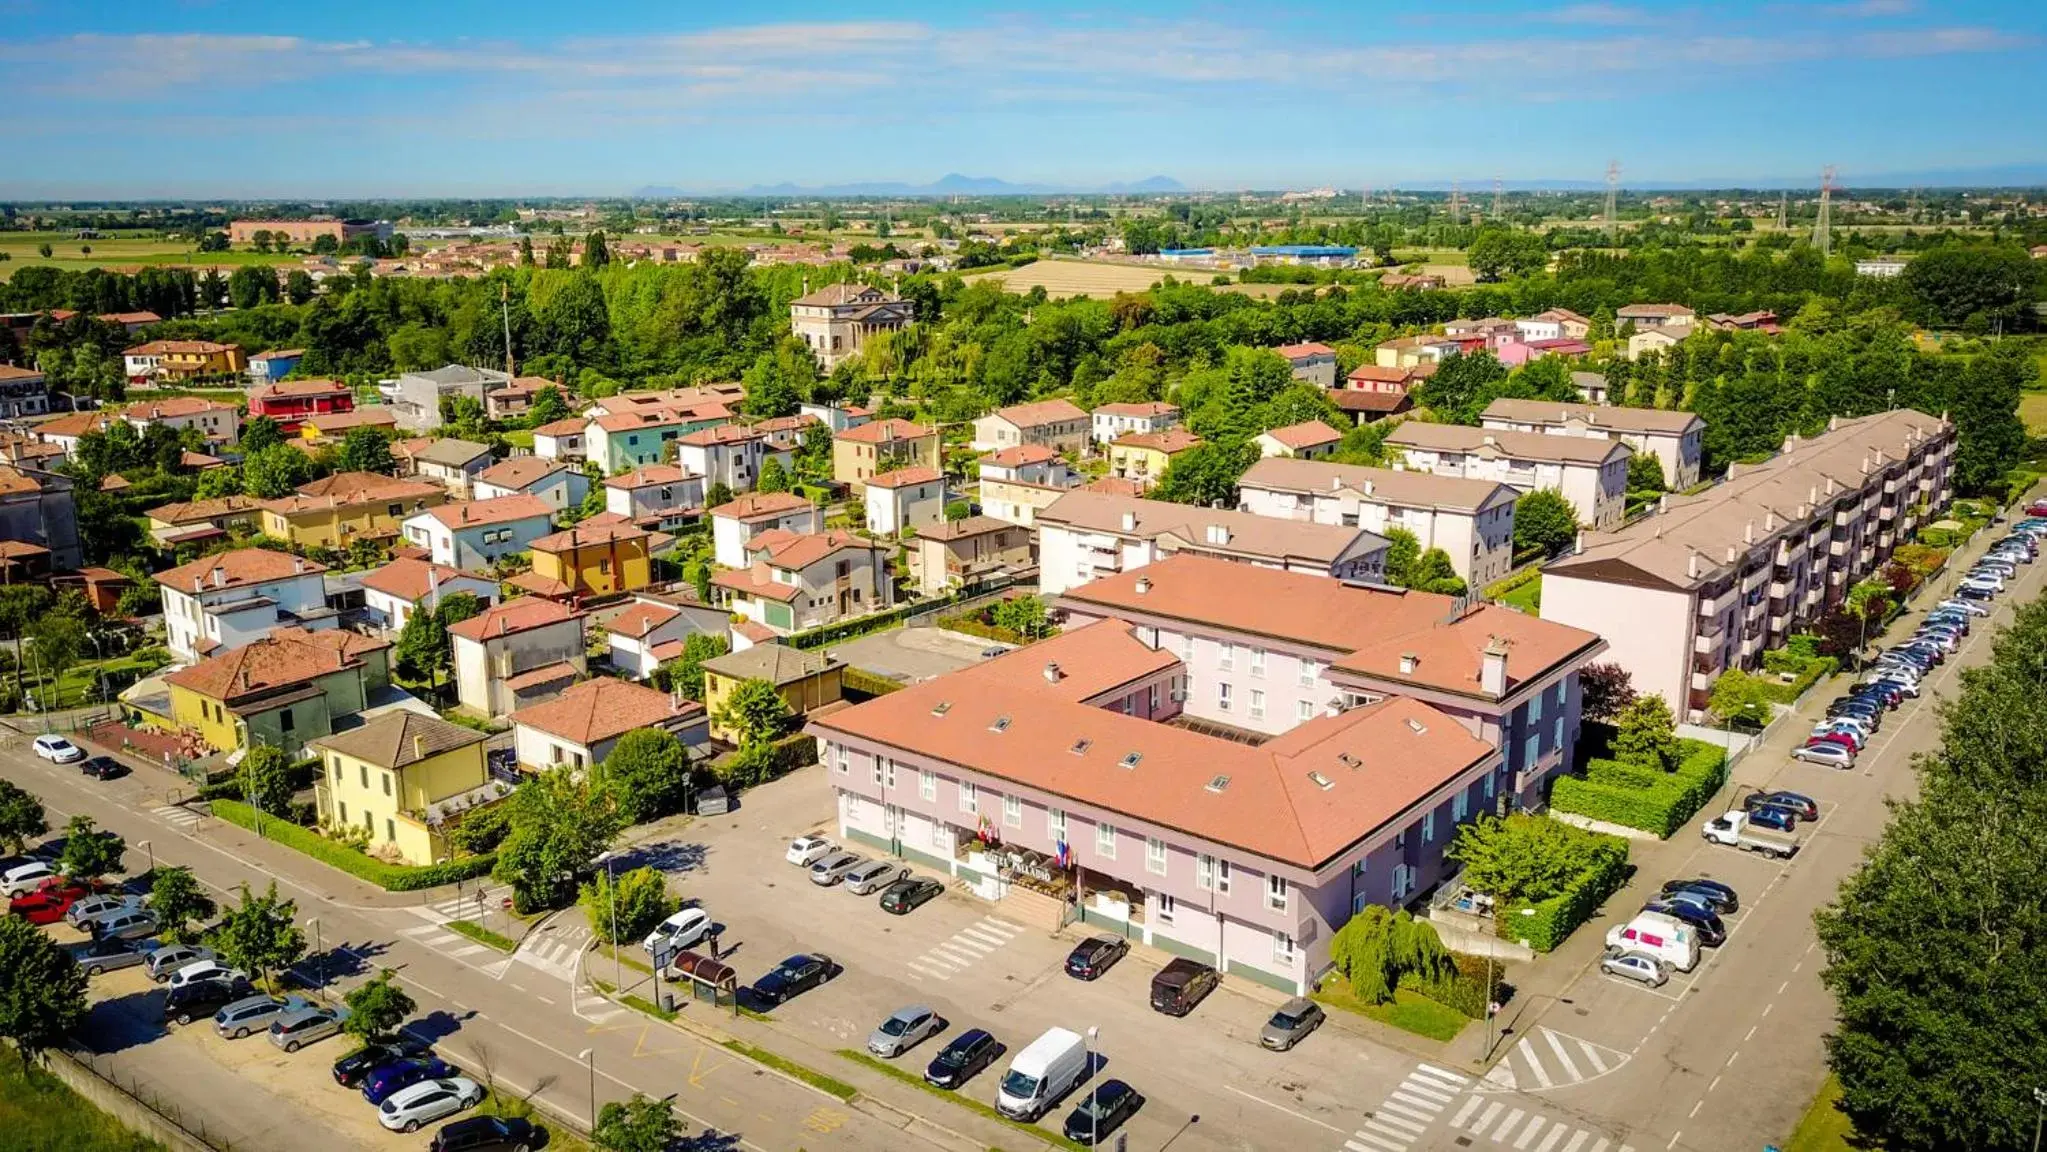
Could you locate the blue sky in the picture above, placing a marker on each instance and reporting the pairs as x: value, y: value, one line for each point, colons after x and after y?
x: 452, y: 97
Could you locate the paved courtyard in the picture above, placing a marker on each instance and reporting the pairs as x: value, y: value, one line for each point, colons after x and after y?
x: 913, y: 654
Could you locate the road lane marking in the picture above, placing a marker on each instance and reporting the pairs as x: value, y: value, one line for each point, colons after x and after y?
x: 1282, y: 1108
x: 1395, y: 1124
x: 1403, y: 1110
x: 1535, y: 1124
x: 1485, y: 1121
x: 1507, y: 1125
x: 1577, y: 1141
x: 1442, y: 1074
x: 1557, y: 1045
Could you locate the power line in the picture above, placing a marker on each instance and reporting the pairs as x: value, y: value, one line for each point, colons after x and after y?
x: 1822, y: 231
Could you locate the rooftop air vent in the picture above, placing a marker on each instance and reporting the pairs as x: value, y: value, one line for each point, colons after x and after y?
x: 1001, y: 724
x: 1130, y: 759
x: 1416, y: 726
x: 1321, y: 781
x: 1080, y: 747
x: 1349, y: 761
x: 1218, y: 783
x: 941, y: 708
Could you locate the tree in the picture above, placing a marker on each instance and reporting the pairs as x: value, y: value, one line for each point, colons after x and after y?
x: 755, y: 711
x: 58, y: 641
x: 525, y: 251
x: 1645, y: 474
x: 1605, y: 692
x: 1378, y: 946
x: 1646, y: 734
x: 626, y: 908
x: 686, y: 672
x: 718, y: 495
x: 259, y: 433
x: 177, y: 899
x: 1989, y: 437
x: 1206, y: 474
x: 42, y: 990
x: 1024, y: 615
x: 1403, y: 551
x: 365, y: 450
x: 776, y: 383
x: 547, y: 407
x: 648, y: 773
x: 560, y: 823
x: 89, y: 853
x: 44, y: 250
x: 1545, y: 519
x: 377, y: 1007
x: 258, y: 935
x: 1499, y: 252
x: 272, y: 473
x: 773, y: 477
x: 1461, y: 387
x: 1434, y: 572
x: 252, y: 285
x: 423, y: 647
x: 299, y: 286
x: 1740, y: 698
x: 1525, y: 858
x: 21, y: 818
x: 1950, y: 284
x: 596, y: 253
x: 636, y: 1125
x: 266, y: 779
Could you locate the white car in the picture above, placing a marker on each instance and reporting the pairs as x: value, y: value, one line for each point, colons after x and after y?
x: 427, y: 1101
x: 58, y: 749
x: 678, y: 931
x: 23, y: 879
x: 1969, y: 606
x: 807, y: 850
x: 205, y: 970
x: 1830, y: 755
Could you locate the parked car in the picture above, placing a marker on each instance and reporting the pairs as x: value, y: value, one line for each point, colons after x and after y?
x: 349, y: 1070
x: 960, y: 1061
x: 1966, y: 593
x: 906, y: 896
x: 1805, y: 806
x: 484, y: 1134
x: 58, y: 750
x: 253, y: 1014
x: 1821, y: 752
x: 678, y: 931
x: 127, y: 924
x: 1098, y: 1113
x: 97, y: 956
x: 1041, y: 1074
x: 1290, y: 1024
x: 199, y: 998
x: 86, y: 909
x: 166, y: 958
x: 807, y: 850
x: 1669, y: 940
x: 49, y: 903
x: 302, y: 1026
x: 1696, y: 900
x: 102, y: 768
x: 425, y: 1102
x: 209, y: 967
x: 22, y: 879
x: 873, y: 877
x: 1902, y: 681
x: 1634, y: 966
x: 903, y: 1030
x: 794, y: 976
x: 1734, y: 830
x: 1712, y: 933
x: 387, y: 1080
x: 1846, y: 737
x: 833, y: 868
x: 1723, y: 897
x: 1767, y: 816
x: 1181, y: 985
x: 1095, y: 955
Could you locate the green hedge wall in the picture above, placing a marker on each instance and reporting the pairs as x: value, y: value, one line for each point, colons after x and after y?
x: 390, y: 877
x: 1549, y: 923
x: 1635, y: 797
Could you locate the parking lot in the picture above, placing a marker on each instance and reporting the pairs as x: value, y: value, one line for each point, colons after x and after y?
x: 912, y: 654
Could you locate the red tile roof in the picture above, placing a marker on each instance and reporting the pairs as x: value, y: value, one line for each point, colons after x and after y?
x: 520, y: 471
x: 640, y: 618
x: 301, y: 388
x: 588, y: 535
x: 1042, y: 412
x: 904, y: 477
x: 496, y: 510
x: 1308, y: 434
x: 1149, y: 409
x: 762, y: 506
x: 512, y: 617
x: 648, y: 476
x: 1168, y: 440
x: 412, y: 579
x: 884, y: 432
x: 597, y: 710
x: 284, y: 658
x: 1302, y: 351
x: 1019, y: 456
x: 237, y: 569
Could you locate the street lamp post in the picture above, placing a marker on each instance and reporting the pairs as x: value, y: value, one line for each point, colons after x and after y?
x: 617, y: 965
x: 2039, y: 1114
x: 1192, y: 1120
x: 589, y: 1056
x: 147, y: 847
x: 1094, y: 1082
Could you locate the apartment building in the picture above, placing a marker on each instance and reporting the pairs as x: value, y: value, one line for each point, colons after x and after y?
x: 1016, y: 482
x: 1676, y: 439
x: 283, y: 688
x: 734, y: 525
x: 516, y: 653
x: 403, y: 779
x: 792, y: 583
x: 1470, y: 520
x: 39, y: 518
x: 1086, y: 536
x: 476, y: 534
x: 1591, y: 474
x: 233, y: 598
x: 958, y: 552
x: 1059, y: 425
x: 631, y: 439
x: 882, y: 446
x: 663, y: 496
x: 1111, y: 421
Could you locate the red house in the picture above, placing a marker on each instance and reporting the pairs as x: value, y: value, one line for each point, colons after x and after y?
x: 291, y: 402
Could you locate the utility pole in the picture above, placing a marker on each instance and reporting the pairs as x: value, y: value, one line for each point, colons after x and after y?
x: 1456, y: 202
x: 1499, y: 198
x: 1783, y: 204
x: 505, y: 303
x: 1613, y: 187
x: 1822, y: 231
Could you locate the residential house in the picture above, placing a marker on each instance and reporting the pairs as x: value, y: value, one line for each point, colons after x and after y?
x: 515, y: 399
x: 403, y: 781
x: 786, y: 433
x: 905, y: 498
x: 67, y: 430
x: 1676, y: 439
x: 794, y: 583
x: 956, y: 553
x: 1058, y: 424
x: 101, y: 587
x: 651, y: 630
x: 732, y: 455
x: 561, y: 486
x: 336, y: 511
x: 662, y: 496
x: 202, y: 520
x: 580, y: 727
x: 231, y: 599
x: 453, y: 464
x: 334, y: 427
x: 39, y: 518
x: 1016, y: 482
x: 561, y: 440
x: 1143, y: 457
x: 1088, y: 535
x: 183, y: 361
x: 734, y: 525
x: 270, y: 367
x: 1712, y: 581
x: 1557, y: 324
x: 630, y: 439
x: 837, y: 320
x: 1311, y: 362
x: 476, y: 534
x: 1764, y: 322
x: 1113, y: 421
x: 392, y: 592
x: 516, y: 653
x: 1470, y: 520
x: 1413, y: 351
x: 130, y: 322
x: 1646, y: 316
x: 1656, y: 340
x: 1593, y: 387
x: 24, y: 392
x: 837, y: 417
x: 592, y: 559
x: 417, y: 396
x: 882, y: 446
x: 1309, y: 440
x: 1592, y: 474
x: 289, y: 403
x: 806, y: 679
x: 281, y: 689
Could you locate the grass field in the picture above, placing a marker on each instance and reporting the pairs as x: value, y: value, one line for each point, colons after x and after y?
x: 1062, y: 279
x: 1824, y: 1128
x: 38, y: 1111
x: 115, y: 250
x: 2033, y: 412
x: 1409, y: 1012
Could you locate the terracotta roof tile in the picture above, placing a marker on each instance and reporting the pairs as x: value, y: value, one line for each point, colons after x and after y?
x: 237, y: 569
x: 520, y: 472
x: 400, y: 738
x: 1308, y: 434
x: 512, y: 617
x: 1021, y: 455
x: 640, y: 618
x: 904, y: 477
x: 1042, y: 412
x: 413, y: 579
x: 1167, y: 440
x: 600, y: 709
x: 762, y: 506
x: 648, y: 476
x: 286, y: 658
x: 884, y: 432
x: 496, y: 510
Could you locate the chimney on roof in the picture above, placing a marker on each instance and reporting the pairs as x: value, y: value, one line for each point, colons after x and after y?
x: 198, y: 585
x: 1830, y: 485
x: 1731, y: 553
x: 1692, y: 565
x: 1492, y: 668
x: 298, y: 565
x: 1130, y: 521
x: 504, y: 626
x: 1143, y: 585
x: 1408, y: 661
x: 1052, y: 673
x: 419, y: 747
x: 1748, y: 532
x: 219, y: 576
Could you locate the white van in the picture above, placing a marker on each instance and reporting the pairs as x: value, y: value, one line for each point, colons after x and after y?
x: 1665, y: 937
x: 1041, y: 1074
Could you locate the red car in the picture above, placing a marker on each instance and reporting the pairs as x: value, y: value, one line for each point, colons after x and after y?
x: 1842, y: 738
x: 47, y: 904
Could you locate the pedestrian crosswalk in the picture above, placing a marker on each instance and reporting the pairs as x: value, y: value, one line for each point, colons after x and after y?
x: 474, y: 904
x: 553, y: 951
x: 1408, y: 1110
x: 178, y: 816
x: 963, y: 949
x: 1527, y: 1131
x: 1546, y: 1059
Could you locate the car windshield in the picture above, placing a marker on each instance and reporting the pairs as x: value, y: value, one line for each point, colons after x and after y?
x: 1099, y: 1104
x: 1019, y: 1085
x: 896, y: 1025
x: 1281, y: 1019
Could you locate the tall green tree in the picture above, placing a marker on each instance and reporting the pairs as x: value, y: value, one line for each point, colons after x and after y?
x: 636, y: 1125
x: 90, y: 852
x: 273, y: 472
x: 42, y: 991
x: 755, y: 711
x: 1528, y: 858
x: 1545, y: 519
x: 365, y: 450
x: 1206, y: 474
x: 177, y: 899
x: 560, y: 823
x: 687, y: 674
x: 625, y: 908
x: 21, y: 818
x: 648, y: 773
x: 377, y: 1007
x: 266, y: 779
x: 1646, y: 734
x: 258, y: 934
x: 1378, y: 946
x: 548, y: 407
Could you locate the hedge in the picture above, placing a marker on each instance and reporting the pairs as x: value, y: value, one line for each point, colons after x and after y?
x: 861, y: 626
x: 970, y: 623
x: 390, y: 877
x: 1549, y: 923
x: 865, y: 682
x: 1636, y: 797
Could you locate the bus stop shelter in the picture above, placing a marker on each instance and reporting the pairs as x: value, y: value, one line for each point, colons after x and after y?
x: 710, y: 981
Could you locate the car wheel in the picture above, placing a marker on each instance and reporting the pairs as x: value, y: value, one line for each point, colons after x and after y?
x: 291, y: 1046
x: 94, y: 970
x: 184, y: 1018
x: 243, y: 1034
x: 412, y: 1125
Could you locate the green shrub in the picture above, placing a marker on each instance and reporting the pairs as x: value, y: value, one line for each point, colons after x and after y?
x: 1547, y: 924
x: 390, y: 877
x: 1634, y: 797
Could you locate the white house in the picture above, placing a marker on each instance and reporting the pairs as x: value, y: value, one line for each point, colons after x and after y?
x: 1677, y: 439
x: 905, y: 498
x: 1470, y: 520
x: 579, y: 727
x: 793, y: 582
x: 476, y: 534
x: 662, y: 496
x: 730, y: 454
x: 649, y: 632
x: 453, y: 464
x: 1113, y: 420
x: 1057, y: 424
x: 219, y: 423
x: 734, y: 525
x: 233, y: 598
x: 1591, y: 473
x: 837, y: 417
x: 561, y: 440
x: 1305, y: 441
x: 516, y: 653
x: 1085, y: 536
x: 1016, y: 482
x: 556, y: 482
x: 391, y: 593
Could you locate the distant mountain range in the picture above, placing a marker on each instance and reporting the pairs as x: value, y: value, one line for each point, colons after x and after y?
x: 951, y: 184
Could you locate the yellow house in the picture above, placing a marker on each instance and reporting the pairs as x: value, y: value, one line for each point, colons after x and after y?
x: 806, y: 679
x: 597, y: 559
x: 882, y: 446
x: 337, y: 511
x: 284, y: 690
x: 403, y: 779
x: 189, y: 359
x: 1144, y: 456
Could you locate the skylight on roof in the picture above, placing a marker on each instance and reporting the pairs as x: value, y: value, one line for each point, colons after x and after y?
x: 1001, y: 724
x: 1321, y: 781
x: 1130, y: 760
x: 1081, y: 746
x: 1349, y: 761
x: 1218, y: 783
x: 941, y: 708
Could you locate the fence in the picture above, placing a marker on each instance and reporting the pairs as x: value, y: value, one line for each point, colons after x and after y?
x: 127, y: 1100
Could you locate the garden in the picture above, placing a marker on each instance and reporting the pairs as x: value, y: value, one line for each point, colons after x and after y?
x: 1395, y: 969
x: 1649, y: 780
x: 1545, y: 877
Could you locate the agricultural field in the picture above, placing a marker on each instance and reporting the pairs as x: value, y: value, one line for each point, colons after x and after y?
x: 1062, y: 279
x: 114, y: 250
x: 2033, y: 413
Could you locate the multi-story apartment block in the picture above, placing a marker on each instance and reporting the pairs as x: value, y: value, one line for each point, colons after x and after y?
x: 792, y: 583
x: 1676, y: 439
x: 290, y: 402
x: 734, y: 525
x: 1470, y: 520
x: 234, y: 598
x: 1086, y: 536
x: 1711, y: 581
x: 836, y: 321
x: 1591, y: 474
x: 1056, y: 424
x: 881, y: 446
x: 1110, y: 421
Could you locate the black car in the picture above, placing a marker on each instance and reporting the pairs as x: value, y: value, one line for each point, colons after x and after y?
x: 1181, y: 985
x: 202, y: 998
x: 103, y: 768
x: 1106, y: 1105
x: 350, y: 1069
x: 906, y: 896
x: 484, y: 1134
x: 1885, y: 694
x: 963, y: 1059
x: 1712, y: 933
x: 1095, y: 955
x: 1805, y: 806
x: 796, y: 975
x: 1722, y: 897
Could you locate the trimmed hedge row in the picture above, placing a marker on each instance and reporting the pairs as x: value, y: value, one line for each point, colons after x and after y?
x: 1636, y: 797
x: 1547, y: 924
x: 390, y: 877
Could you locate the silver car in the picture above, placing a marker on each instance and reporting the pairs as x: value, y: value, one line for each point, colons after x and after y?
x: 904, y: 1030
x: 126, y: 924
x: 93, y: 907
x: 253, y: 1014
x: 1288, y: 1026
x: 1634, y: 966
x: 874, y: 876
x: 833, y: 868
x: 297, y: 1028
x: 99, y: 956
x: 1830, y: 755
x: 171, y: 957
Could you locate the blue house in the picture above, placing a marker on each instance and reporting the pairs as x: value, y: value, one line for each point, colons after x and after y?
x: 270, y: 367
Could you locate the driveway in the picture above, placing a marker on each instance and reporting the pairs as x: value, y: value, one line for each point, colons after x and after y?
x: 913, y: 654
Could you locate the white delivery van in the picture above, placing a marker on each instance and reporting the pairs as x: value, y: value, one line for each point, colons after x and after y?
x: 1665, y: 937
x: 1041, y: 1074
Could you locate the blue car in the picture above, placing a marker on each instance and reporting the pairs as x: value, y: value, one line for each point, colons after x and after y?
x: 1771, y: 816
x: 384, y: 1081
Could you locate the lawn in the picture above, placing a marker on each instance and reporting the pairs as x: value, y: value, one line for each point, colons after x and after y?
x: 118, y: 250
x: 1825, y: 1128
x: 482, y: 935
x: 1527, y: 597
x: 38, y: 1111
x: 2033, y: 411
x: 1409, y: 1012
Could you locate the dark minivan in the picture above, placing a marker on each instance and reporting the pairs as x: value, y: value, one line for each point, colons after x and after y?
x: 1181, y: 985
x: 484, y: 1134
x: 964, y: 1058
